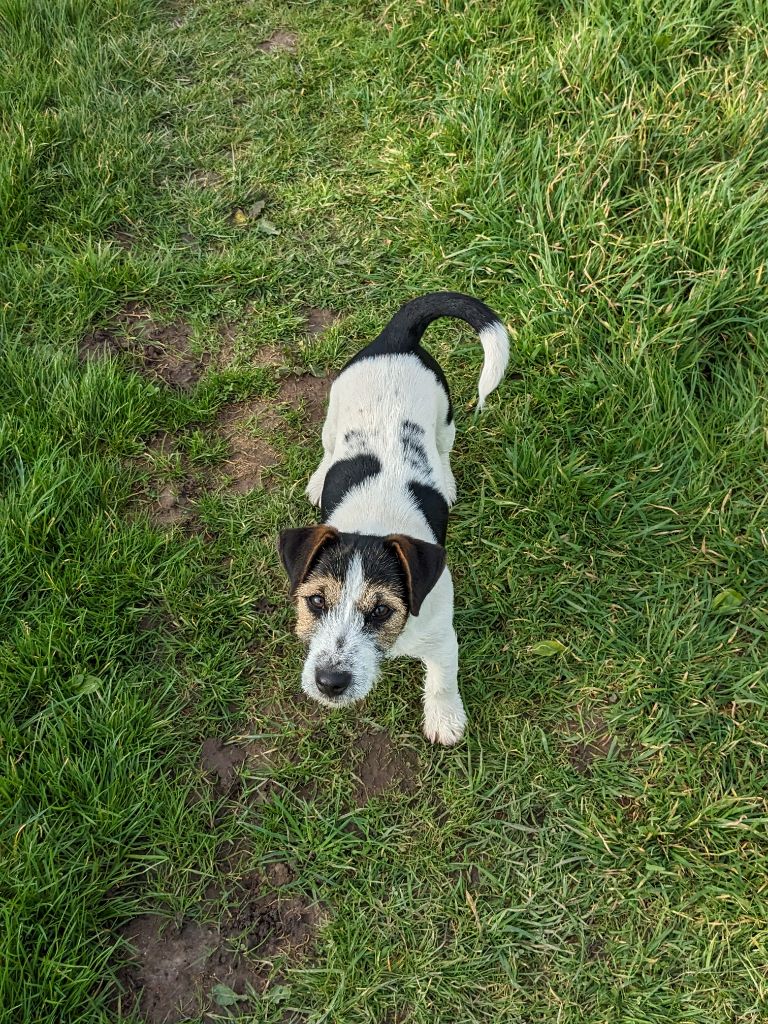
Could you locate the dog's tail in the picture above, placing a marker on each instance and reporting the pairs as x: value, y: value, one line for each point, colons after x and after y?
x: 404, y: 331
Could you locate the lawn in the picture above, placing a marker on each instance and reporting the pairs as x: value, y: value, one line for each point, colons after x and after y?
x: 204, y: 210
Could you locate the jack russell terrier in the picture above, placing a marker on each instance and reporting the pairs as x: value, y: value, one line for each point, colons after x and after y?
x: 371, y: 582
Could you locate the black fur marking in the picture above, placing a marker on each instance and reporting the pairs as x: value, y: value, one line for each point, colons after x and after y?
x: 343, y: 476
x: 357, y: 442
x: 379, y: 560
x: 433, y: 507
x: 412, y: 428
x: 413, y: 450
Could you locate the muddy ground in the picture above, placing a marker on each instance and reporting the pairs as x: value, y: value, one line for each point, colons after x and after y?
x: 251, y: 924
x: 247, y: 430
x: 161, y: 351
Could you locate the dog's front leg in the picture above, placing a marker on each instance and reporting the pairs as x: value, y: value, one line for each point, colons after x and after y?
x: 431, y: 639
x: 444, y: 715
x: 314, y: 489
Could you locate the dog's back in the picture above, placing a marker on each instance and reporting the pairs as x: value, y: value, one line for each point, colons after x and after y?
x: 390, y: 426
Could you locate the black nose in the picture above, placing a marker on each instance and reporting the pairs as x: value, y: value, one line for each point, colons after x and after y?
x: 332, y: 683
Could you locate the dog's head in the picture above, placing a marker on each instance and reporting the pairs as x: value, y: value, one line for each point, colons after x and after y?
x: 353, y: 597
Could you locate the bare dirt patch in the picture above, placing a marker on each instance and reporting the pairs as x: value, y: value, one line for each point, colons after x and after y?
x: 175, y: 970
x: 174, y: 504
x: 247, y: 769
x: 248, y: 427
x: 250, y: 761
x: 279, y: 41
x: 220, y: 762
x: 307, y: 393
x: 588, y: 740
x: 202, y: 178
x: 161, y: 351
x: 245, y: 426
x: 317, y: 319
x: 122, y: 238
x: 268, y: 357
x: 381, y: 767
x: 169, y: 499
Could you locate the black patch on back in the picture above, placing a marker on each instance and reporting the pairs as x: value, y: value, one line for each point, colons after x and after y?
x: 413, y: 428
x: 433, y: 507
x: 343, y: 476
x: 414, y: 452
x: 387, y: 346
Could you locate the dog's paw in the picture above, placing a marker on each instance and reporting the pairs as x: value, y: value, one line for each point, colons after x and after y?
x: 314, y: 489
x: 450, y: 491
x: 444, y: 723
x: 449, y: 482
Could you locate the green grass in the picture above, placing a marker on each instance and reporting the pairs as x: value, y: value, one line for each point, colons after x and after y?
x: 597, y: 173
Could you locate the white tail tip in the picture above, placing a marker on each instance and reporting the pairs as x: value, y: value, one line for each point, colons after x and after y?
x: 495, y: 342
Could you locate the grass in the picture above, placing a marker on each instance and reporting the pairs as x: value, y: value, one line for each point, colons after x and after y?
x: 595, y: 851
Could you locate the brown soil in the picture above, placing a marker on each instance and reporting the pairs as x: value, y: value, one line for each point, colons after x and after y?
x: 174, y: 970
x: 173, y: 501
x: 220, y: 762
x: 270, y: 355
x: 594, y: 741
x: 122, y: 238
x: 161, y: 351
x: 279, y: 41
x: 307, y: 393
x: 173, y: 504
x: 382, y: 767
x: 317, y: 319
x: 206, y: 179
x: 247, y: 426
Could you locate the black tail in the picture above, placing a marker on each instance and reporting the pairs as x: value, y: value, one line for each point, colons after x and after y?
x: 404, y: 331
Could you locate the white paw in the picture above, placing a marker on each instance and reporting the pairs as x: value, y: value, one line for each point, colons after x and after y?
x: 314, y: 489
x: 444, y: 721
x: 449, y: 482
x: 450, y: 490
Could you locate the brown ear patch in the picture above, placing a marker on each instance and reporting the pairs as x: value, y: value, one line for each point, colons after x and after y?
x: 298, y: 549
x: 422, y: 564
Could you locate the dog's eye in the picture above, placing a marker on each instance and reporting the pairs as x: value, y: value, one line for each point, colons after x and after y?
x: 316, y: 602
x: 381, y: 613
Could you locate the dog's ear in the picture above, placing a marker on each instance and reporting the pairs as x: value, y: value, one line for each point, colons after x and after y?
x: 299, y: 548
x: 422, y: 564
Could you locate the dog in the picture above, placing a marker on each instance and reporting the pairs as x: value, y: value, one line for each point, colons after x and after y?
x: 371, y: 581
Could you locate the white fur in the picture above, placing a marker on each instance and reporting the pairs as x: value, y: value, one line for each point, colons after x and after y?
x: 373, y: 397
x: 495, y: 342
x: 340, y: 643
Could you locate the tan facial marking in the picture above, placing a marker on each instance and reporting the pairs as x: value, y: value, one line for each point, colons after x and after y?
x: 329, y: 587
x: 390, y: 630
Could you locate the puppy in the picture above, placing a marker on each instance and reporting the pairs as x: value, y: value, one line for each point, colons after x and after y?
x: 371, y: 581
